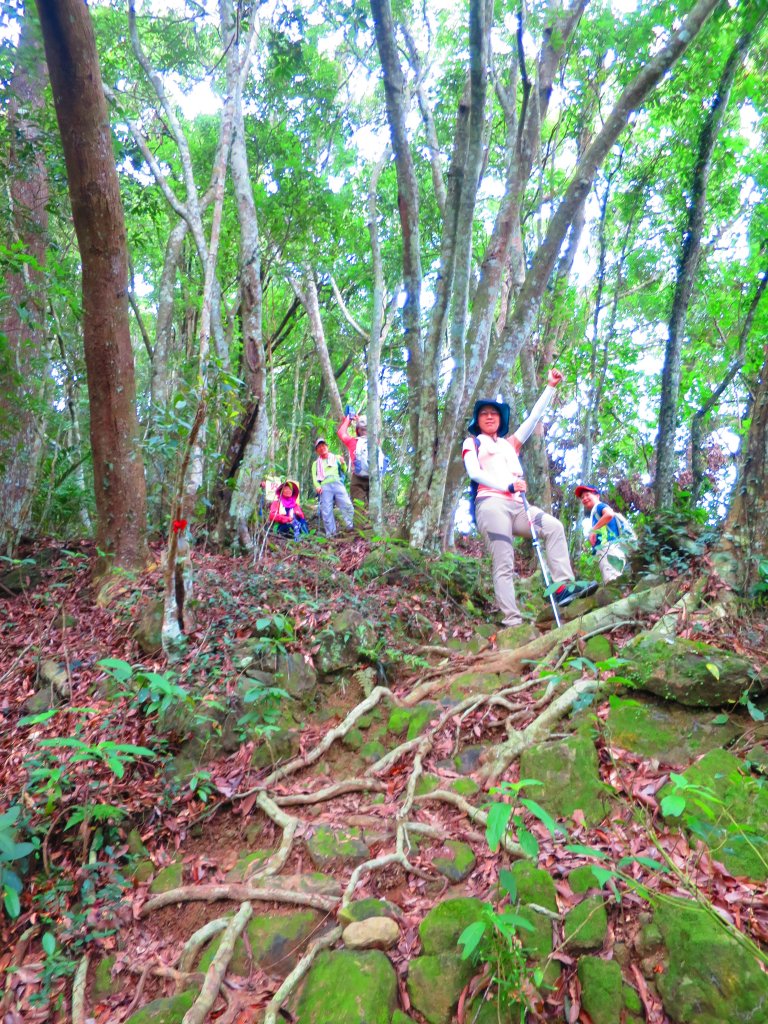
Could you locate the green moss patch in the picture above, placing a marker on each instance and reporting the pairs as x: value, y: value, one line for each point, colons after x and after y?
x: 349, y: 988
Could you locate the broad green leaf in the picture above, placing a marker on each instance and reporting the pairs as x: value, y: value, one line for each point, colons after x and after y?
x: 12, y: 902
x: 648, y: 862
x: 471, y: 937
x: 49, y: 943
x: 528, y: 843
x: 544, y: 816
x: 672, y: 806
x: 121, y: 670
x: 720, y: 720
x: 603, y: 875
x: 755, y: 712
x: 44, y: 716
x: 496, y: 826
x: 713, y: 669
x: 508, y: 883
x: 587, y: 851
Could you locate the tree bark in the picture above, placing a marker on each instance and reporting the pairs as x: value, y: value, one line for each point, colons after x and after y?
x: 23, y: 372
x: 666, y: 459
x: 97, y: 213
x: 744, y: 541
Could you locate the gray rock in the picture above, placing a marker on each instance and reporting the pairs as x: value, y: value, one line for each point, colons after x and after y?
x: 372, y: 933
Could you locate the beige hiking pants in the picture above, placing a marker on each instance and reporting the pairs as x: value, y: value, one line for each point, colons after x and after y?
x: 499, y: 520
x: 608, y: 571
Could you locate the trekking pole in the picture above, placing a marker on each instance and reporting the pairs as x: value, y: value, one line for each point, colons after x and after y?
x: 542, y: 561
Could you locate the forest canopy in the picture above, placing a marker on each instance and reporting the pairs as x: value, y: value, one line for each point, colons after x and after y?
x: 399, y: 209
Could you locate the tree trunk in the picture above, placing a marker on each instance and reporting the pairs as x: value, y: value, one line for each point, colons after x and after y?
x: 97, y: 213
x: 666, y: 459
x: 23, y: 375
x: 744, y: 541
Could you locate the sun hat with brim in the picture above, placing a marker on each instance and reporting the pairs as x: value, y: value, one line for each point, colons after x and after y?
x: 501, y: 408
x: 319, y: 441
x: 585, y: 489
x: 293, y: 485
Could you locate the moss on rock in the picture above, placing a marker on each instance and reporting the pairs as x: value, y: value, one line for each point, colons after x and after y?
x: 710, y: 976
x: 360, y: 987
x: 361, y: 910
x: 165, y: 1011
x: 570, y: 778
x: 459, y: 863
x: 276, y: 942
x: 329, y: 846
x: 168, y: 878
x: 534, y: 885
x: 441, y: 928
x: 586, y: 925
x: 435, y: 983
x: 602, y: 993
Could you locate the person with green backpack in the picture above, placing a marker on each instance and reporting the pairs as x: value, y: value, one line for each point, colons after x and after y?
x: 610, y: 534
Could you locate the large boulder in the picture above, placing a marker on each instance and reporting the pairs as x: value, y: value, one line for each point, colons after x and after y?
x: 342, y: 643
x: 709, y: 975
x: 349, y: 987
x: 737, y: 830
x: 570, y: 777
x: 690, y: 672
x: 665, y: 731
x: 275, y: 943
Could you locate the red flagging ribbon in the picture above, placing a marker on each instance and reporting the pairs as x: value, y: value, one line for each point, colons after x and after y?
x: 179, y: 525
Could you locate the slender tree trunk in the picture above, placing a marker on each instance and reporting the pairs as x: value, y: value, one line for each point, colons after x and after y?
x: 666, y: 460
x: 97, y: 213
x: 22, y: 319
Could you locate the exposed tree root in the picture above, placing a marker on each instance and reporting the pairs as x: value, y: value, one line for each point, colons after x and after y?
x: 669, y: 623
x: 617, y: 613
x: 236, y: 891
x: 299, y: 971
x: 78, y: 991
x: 274, y: 864
x: 377, y: 694
x: 331, y: 792
x: 195, y: 942
x: 473, y: 813
x: 198, y: 1012
x: 500, y: 757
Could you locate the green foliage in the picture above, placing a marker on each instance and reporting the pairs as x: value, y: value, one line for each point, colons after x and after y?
x: 494, y: 940
x: 12, y: 852
x: 760, y: 587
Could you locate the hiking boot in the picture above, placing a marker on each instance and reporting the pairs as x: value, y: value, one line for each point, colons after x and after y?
x: 573, y: 592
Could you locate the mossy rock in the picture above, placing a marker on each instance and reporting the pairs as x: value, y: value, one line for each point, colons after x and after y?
x: 330, y: 846
x: 398, y: 1017
x: 168, y: 878
x: 464, y: 787
x: 361, y: 987
x: 427, y: 783
x: 598, y: 648
x: 582, y: 878
x: 710, y: 977
x: 277, y: 942
x: 165, y: 1011
x: 602, y: 993
x: 143, y: 871
x: 668, y: 732
x: 244, y: 861
x: 570, y: 776
x: 410, y: 722
x: 342, y: 642
x: 586, y: 925
x: 512, y: 637
x: 147, y: 630
x: 435, y: 983
x: 536, y: 941
x: 104, y: 984
x: 688, y: 671
x: 372, y: 751
x: 474, y: 682
x: 361, y: 910
x: 281, y: 745
x: 135, y: 844
x: 442, y: 926
x: 314, y: 882
x: 534, y: 885
x: 395, y: 562
x: 738, y: 833
x: 458, y: 864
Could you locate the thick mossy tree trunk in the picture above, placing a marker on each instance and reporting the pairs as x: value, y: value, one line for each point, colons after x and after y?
x: 97, y: 212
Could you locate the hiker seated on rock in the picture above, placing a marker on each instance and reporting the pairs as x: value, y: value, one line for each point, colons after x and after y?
x: 285, y: 511
x: 610, y: 534
x: 491, y: 460
x: 326, y: 476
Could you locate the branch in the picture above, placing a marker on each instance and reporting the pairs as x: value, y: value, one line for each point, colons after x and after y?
x: 235, y: 891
